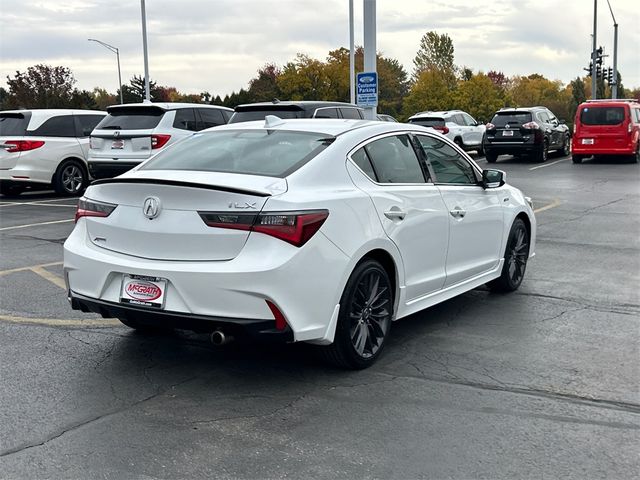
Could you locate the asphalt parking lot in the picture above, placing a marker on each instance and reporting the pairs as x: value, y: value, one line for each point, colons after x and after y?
x: 541, y: 383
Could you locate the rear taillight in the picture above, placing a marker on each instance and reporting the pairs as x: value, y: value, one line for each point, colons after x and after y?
x: 159, y: 140
x: 630, y: 128
x: 295, y: 228
x: 22, y: 145
x: 444, y: 130
x: 490, y: 126
x: 531, y: 126
x: 574, y: 128
x: 93, y: 208
x: 93, y: 143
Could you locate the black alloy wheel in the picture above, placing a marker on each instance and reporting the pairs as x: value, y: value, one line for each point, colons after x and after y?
x: 515, y: 259
x: 542, y: 154
x: 566, y: 146
x: 364, y: 320
x: 71, y: 178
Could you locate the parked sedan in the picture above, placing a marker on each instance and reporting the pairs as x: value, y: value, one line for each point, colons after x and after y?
x: 320, y: 231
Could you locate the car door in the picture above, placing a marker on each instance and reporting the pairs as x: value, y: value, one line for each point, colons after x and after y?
x: 410, y: 209
x: 475, y: 215
x: 474, y: 132
x: 557, y: 130
x: 84, y: 126
x: 547, y: 128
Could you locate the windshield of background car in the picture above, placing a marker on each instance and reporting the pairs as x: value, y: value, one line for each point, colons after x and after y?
x: 602, y: 115
x: 251, y: 115
x: 271, y: 153
x: 13, y: 124
x: 511, y: 118
x: 138, y: 118
x: 428, y: 122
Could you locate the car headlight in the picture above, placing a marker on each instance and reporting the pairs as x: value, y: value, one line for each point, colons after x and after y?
x: 529, y: 201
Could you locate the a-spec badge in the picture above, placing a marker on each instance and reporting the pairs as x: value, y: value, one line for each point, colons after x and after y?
x: 244, y: 205
x: 151, y: 207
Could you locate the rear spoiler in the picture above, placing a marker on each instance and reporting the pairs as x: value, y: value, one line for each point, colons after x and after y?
x: 176, y: 183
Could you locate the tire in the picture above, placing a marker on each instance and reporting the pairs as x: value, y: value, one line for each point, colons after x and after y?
x: 364, y: 321
x: 71, y: 178
x: 636, y: 158
x: 541, y: 155
x: 491, y: 157
x: 480, y: 151
x: 12, y: 190
x: 577, y: 158
x: 515, y: 259
x: 566, y: 147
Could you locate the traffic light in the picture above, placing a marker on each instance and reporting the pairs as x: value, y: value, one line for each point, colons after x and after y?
x: 589, y: 69
x: 599, y: 56
x: 608, y: 75
x: 598, y: 70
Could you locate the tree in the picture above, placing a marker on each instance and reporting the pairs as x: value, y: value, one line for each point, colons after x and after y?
x: 578, y: 95
x: 264, y: 87
x: 103, y: 99
x: 41, y: 86
x: 135, y: 91
x: 498, y: 79
x: 479, y: 96
x: 535, y: 90
x: 429, y: 92
x: 4, y: 95
x: 435, y: 53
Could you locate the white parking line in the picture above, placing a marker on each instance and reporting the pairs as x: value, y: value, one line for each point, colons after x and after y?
x: 16, y: 227
x: 549, y: 164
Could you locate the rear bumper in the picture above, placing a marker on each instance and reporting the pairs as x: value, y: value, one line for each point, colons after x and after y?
x: 264, y: 329
x: 511, y: 148
x: 578, y: 149
x: 110, y: 169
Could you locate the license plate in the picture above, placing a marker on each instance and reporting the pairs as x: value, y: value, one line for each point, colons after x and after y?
x: 117, y: 145
x: 587, y: 141
x: 507, y: 133
x: 143, y: 291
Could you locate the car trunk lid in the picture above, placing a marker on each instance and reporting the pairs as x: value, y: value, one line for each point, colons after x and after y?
x: 13, y: 126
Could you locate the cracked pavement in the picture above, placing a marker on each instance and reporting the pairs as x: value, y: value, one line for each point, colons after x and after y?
x: 541, y: 383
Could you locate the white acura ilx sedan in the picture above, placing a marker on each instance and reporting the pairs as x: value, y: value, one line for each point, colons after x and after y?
x: 322, y: 231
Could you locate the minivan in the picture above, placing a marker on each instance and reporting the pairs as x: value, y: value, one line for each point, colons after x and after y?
x: 132, y: 133
x: 607, y: 127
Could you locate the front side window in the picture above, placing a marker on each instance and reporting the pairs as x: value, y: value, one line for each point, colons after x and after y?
x: 394, y: 160
x: 272, y: 153
x: 468, y: 120
x: 210, y: 117
x: 602, y: 115
x: 61, y: 126
x: 448, y: 165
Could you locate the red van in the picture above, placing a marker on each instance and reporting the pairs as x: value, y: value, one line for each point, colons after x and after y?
x: 606, y: 127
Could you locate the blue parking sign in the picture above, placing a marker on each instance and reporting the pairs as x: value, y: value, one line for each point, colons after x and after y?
x: 367, y: 89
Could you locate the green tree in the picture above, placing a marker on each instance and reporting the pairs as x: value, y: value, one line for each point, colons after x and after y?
x: 429, y: 92
x: 479, y: 96
x: 435, y: 52
x: 4, y: 95
x: 264, y: 87
x: 578, y: 95
x: 135, y: 91
x: 41, y: 86
x: 103, y: 98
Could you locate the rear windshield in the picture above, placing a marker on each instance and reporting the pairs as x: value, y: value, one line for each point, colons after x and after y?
x: 253, y: 152
x: 260, y: 114
x: 138, y: 118
x: 428, y: 122
x: 13, y: 124
x: 602, y: 115
x: 511, y: 118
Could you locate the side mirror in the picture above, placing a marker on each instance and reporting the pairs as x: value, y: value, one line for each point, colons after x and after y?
x: 563, y: 122
x: 493, y: 178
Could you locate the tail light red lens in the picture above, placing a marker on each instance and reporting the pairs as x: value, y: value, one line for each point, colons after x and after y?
x: 490, y: 126
x: 159, y: 140
x: 93, y: 208
x: 23, y: 145
x: 295, y: 228
x: 531, y: 126
x: 444, y: 130
x: 281, y: 322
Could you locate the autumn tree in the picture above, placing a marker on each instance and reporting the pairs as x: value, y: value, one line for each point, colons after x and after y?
x: 264, y: 87
x: 41, y: 86
x: 429, y: 92
x: 435, y: 53
x: 479, y: 96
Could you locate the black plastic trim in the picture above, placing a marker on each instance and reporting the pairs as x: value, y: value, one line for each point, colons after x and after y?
x: 177, y: 183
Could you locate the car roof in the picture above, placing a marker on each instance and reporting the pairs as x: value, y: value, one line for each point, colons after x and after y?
x: 520, y: 109
x: 441, y: 113
x: 167, y: 105
x: 56, y: 111
x: 302, y: 105
x: 618, y: 102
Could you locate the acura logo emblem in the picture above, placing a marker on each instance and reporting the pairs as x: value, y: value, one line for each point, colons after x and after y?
x: 151, y: 207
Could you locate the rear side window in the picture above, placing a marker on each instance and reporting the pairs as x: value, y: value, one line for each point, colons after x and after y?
x: 428, y: 122
x: 88, y: 123
x: 210, y: 117
x: 61, y: 126
x: 185, y: 119
x: 351, y: 113
x: 327, y: 113
x: 14, y: 124
x: 511, y: 118
x: 636, y: 112
x: 361, y: 159
x: 394, y: 160
x: 132, y: 118
x: 602, y: 115
x: 249, y: 116
x: 273, y: 153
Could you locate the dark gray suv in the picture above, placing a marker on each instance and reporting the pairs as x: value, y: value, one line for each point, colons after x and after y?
x: 301, y: 109
x: 531, y: 131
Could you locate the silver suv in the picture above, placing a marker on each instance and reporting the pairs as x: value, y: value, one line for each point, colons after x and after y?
x: 45, y: 147
x: 458, y: 126
x: 132, y: 133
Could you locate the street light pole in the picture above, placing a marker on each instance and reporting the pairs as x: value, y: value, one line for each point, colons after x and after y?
x: 147, y: 97
x: 117, y: 52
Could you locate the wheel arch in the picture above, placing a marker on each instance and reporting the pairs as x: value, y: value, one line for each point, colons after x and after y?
x: 77, y: 159
x: 388, y: 263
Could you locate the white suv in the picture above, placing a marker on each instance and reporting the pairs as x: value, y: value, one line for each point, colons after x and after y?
x: 132, y: 133
x: 458, y: 126
x: 42, y: 147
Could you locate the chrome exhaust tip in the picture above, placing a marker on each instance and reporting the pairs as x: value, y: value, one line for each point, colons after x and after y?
x: 219, y: 338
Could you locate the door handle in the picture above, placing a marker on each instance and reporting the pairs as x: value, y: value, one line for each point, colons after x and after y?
x: 395, y: 214
x: 458, y: 213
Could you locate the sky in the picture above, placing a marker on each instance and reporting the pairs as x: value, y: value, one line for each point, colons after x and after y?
x: 218, y: 45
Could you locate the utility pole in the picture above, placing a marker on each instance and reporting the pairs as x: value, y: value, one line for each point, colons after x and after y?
x: 614, y: 84
x: 594, y: 77
x: 370, y: 47
x: 147, y: 96
x: 352, y: 57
